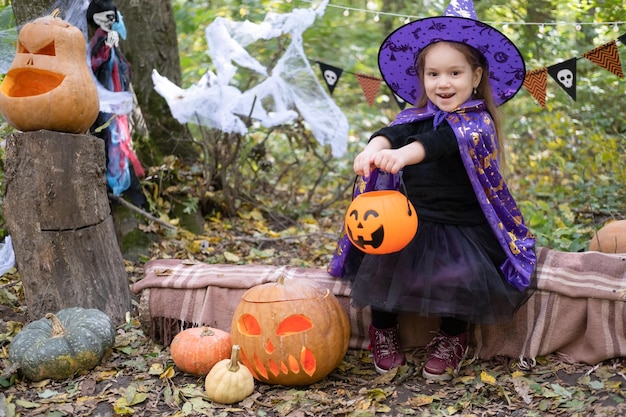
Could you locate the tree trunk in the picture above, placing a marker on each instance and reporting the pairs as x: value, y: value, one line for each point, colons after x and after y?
x: 152, y: 44
x: 30, y: 9
x: 57, y: 211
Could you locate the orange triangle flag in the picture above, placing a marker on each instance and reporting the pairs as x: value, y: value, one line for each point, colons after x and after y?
x: 536, y: 82
x: 607, y: 57
x: 369, y: 85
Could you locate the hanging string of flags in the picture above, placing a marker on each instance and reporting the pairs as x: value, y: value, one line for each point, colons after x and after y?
x: 369, y: 84
x: 605, y: 56
x: 407, y: 18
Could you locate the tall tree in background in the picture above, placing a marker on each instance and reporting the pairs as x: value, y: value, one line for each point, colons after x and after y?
x: 151, y: 44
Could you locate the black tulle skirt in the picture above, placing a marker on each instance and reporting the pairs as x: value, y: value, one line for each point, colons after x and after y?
x: 447, y: 270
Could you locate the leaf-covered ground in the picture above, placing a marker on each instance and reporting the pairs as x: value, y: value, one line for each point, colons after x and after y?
x: 138, y: 377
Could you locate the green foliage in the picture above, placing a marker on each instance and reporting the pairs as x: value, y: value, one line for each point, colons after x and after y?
x: 565, y: 160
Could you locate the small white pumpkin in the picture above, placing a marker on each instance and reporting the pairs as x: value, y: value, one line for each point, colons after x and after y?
x: 229, y: 381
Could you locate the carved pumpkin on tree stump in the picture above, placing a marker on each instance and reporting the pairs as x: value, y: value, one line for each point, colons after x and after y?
x: 49, y: 85
x: 291, y: 332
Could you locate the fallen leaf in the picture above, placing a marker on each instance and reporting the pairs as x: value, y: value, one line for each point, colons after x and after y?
x: 231, y: 257
x: 487, y: 378
x: 420, y: 400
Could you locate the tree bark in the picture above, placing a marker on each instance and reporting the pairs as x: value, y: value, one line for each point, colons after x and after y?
x: 30, y: 9
x: 57, y: 211
x: 152, y: 43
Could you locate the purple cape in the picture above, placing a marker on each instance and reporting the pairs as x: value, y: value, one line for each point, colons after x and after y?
x: 478, y: 144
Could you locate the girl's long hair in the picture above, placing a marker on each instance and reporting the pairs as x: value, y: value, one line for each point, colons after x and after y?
x: 483, y: 91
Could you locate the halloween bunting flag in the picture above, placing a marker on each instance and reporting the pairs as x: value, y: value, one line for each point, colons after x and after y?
x: 564, y: 73
x: 535, y: 82
x: 607, y: 57
x: 331, y: 76
x: 370, y: 86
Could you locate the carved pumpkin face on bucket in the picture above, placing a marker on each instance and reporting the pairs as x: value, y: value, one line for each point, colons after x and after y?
x: 49, y: 84
x: 380, y: 222
x: 290, y: 332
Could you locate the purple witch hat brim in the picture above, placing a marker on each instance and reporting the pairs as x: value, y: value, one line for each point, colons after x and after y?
x: 398, y: 53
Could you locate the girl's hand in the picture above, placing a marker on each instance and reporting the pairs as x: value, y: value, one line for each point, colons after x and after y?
x: 363, y: 163
x: 386, y: 159
x: 390, y: 160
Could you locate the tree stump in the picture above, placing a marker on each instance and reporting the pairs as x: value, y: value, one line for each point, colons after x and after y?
x: 57, y: 210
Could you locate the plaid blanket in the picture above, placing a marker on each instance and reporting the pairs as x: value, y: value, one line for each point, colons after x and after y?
x: 578, y: 309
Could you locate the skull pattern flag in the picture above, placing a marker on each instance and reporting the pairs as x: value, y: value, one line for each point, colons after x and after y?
x: 564, y: 73
x: 331, y: 76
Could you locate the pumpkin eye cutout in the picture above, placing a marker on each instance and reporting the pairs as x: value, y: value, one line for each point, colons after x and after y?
x: 249, y: 325
x: 294, y: 324
x: 49, y: 50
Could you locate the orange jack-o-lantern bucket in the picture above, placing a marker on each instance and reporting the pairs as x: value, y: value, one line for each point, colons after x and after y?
x: 49, y: 84
x: 381, y: 222
x: 291, y: 332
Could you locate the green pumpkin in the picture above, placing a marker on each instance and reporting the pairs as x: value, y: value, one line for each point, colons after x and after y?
x: 59, y: 346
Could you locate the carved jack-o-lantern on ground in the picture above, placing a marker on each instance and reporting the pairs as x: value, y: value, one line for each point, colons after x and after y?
x: 380, y: 222
x: 49, y: 85
x: 290, y: 332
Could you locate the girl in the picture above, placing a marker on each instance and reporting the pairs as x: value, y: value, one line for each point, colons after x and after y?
x: 472, y: 258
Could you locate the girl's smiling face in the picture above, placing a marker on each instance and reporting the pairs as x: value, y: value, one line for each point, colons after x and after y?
x: 449, y: 79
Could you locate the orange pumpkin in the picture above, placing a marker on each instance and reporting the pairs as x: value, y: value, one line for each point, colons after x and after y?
x: 611, y: 238
x: 49, y: 84
x: 291, y: 332
x: 380, y: 222
x: 196, y: 350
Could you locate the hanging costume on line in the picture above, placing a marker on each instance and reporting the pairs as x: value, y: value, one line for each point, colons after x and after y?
x: 113, y: 71
x: 472, y: 257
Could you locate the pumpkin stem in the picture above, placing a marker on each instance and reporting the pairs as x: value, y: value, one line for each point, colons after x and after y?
x: 58, y: 329
x: 233, y: 365
x: 207, y: 331
x: 56, y: 12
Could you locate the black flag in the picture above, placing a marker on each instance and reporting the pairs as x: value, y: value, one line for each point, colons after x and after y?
x: 564, y: 73
x: 331, y: 76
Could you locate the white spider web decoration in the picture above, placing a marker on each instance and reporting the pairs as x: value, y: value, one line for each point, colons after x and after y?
x: 289, y: 91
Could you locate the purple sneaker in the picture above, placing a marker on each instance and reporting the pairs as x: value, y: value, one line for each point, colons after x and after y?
x: 385, y: 347
x: 446, y: 354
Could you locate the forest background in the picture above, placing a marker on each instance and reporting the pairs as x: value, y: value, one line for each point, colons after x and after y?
x: 276, y: 196
x: 565, y: 161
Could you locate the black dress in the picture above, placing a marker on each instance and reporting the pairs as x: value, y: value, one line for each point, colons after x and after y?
x: 451, y: 267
